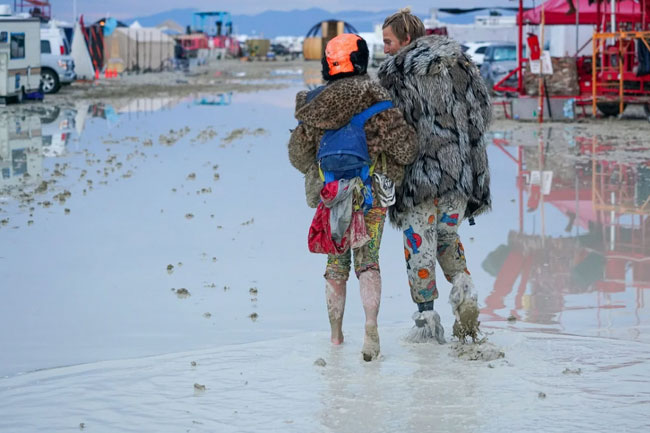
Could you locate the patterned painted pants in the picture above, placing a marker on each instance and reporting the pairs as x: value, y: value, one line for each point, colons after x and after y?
x: 366, y: 257
x: 432, y: 233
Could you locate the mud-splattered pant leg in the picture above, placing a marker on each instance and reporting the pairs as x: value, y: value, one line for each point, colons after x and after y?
x: 366, y: 257
x: 432, y: 233
x: 450, y: 251
x: 420, y: 239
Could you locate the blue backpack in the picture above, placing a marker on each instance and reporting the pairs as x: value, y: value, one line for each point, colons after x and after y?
x: 343, y: 152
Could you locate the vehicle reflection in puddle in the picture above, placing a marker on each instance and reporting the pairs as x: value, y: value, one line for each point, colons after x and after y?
x: 56, y: 127
x: 21, y: 158
x: 584, y: 229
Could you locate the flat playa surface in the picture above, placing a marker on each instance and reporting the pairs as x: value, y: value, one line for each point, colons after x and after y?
x: 154, y: 273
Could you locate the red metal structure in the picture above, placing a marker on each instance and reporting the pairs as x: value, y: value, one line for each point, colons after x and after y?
x: 607, y: 199
x: 608, y: 79
x: 36, y: 8
x: 192, y: 43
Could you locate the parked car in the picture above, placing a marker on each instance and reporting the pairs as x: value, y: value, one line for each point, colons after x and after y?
x: 57, y: 66
x: 280, y: 50
x: 476, y: 50
x: 499, y: 60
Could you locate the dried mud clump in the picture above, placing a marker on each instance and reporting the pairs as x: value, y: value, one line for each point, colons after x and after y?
x: 183, y: 293
x: 173, y: 136
x: 480, y: 351
x: 238, y: 133
x: 62, y: 197
x: 205, y: 135
x: 41, y: 188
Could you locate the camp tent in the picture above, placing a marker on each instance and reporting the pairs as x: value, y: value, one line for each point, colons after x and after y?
x: 83, y: 65
x: 556, y: 12
x: 140, y: 48
x: 171, y: 27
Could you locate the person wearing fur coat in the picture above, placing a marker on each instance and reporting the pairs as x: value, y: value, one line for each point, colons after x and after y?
x: 443, y: 96
x: 391, y: 145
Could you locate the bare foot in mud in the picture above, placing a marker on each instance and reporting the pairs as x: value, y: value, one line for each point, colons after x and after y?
x: 370, y: 348
x: 467, y: 323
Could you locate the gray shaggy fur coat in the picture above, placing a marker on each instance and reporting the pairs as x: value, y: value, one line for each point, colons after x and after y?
x: 444, y: 98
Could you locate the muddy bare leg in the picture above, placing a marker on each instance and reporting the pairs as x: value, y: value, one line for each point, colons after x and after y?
x: 370, y: 284
x: 335, y: 291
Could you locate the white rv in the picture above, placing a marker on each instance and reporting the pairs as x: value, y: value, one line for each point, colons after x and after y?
x: 20, y: 54
x: 21, y: 155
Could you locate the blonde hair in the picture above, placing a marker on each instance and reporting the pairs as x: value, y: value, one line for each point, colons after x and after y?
x: 405, y: 24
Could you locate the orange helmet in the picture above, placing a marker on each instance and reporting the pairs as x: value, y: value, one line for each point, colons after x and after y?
x: 345, y: 55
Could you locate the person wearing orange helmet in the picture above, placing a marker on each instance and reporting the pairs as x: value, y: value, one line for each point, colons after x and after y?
x: 390, y: 142
x: 445, y: 99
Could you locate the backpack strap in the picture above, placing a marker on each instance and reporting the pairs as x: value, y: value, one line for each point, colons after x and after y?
x: 374, y: 163
x: 361, y: 118
x: 313, y: 93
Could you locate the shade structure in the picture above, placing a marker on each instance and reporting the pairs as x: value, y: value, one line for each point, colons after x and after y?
x: 555, y: 12
x: 144, y: 48
x: 82, y: 62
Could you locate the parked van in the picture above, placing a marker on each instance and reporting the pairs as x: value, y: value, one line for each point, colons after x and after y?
x: 20, y: 54
x: 57, y: 65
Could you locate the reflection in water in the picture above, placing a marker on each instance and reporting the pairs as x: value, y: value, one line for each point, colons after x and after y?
x: 46, y: 131
x: 58, y: 126
x: 219, y: 99
x: 21, y: 160
x: 602, y: 191
x: 30, y: 134
x: 312, y: 75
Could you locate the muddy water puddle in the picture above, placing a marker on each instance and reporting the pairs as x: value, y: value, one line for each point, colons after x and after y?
x: 107, y: 208
x: 126, y: 221
x: 572, y: 254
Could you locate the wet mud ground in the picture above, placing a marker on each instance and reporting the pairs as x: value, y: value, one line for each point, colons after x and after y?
x: 153, y: 257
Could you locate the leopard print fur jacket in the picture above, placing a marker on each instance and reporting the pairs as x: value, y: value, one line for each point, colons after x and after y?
x: 444, y: 97
x: 332, y: 108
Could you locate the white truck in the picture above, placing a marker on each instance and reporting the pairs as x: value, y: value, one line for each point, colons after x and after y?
x: 20, y: 54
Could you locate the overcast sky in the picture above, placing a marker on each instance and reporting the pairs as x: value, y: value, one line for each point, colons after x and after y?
x: 124, y: 9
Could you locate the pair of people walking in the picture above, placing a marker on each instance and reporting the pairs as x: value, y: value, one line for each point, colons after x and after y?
x: 426, y: 167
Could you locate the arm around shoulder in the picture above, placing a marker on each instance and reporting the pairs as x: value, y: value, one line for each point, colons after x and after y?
x: 394, y: 137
